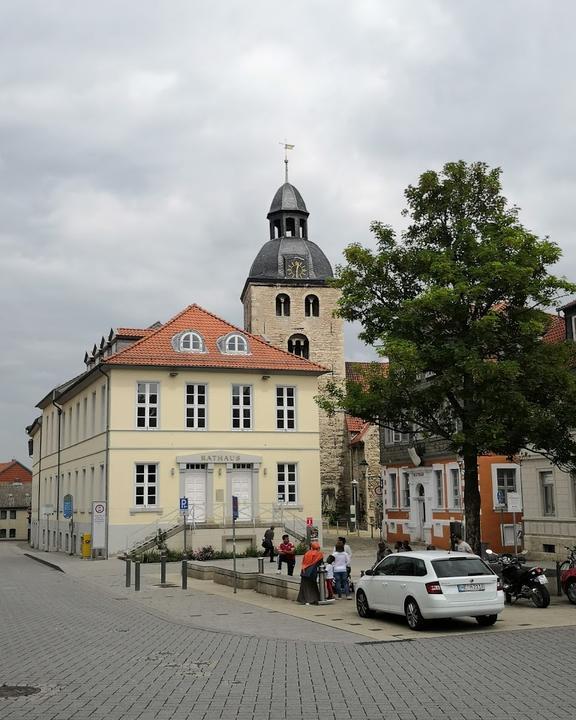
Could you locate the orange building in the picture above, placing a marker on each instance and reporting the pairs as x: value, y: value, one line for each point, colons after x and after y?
x: 424, y: 494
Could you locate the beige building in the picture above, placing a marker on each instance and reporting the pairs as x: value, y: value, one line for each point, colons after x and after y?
x: 194, y: 408
x: 15, y: 498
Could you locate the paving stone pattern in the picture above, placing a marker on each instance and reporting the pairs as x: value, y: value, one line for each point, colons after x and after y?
x: 100, y: 658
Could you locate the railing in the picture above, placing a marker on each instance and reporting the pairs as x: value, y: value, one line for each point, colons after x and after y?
x: 219, y: 516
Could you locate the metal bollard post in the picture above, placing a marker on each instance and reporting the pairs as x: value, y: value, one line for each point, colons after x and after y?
x: 163, y: 569
x: 128, y: 571
x: 261, y: 566
x: 558, y: 579
x: 322, y: 582
x: 184, y: 573
x: 137, y: 575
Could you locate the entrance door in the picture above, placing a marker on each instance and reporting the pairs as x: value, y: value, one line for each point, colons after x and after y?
x: 195, y: 491
x: 421, y: 510
x: 242, y: 488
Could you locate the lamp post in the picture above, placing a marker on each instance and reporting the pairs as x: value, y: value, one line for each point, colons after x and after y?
x: 353, y: 507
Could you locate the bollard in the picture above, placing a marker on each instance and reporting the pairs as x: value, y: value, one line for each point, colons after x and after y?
x: 163, y: 569
x: 558, y: 579
x: 184, y: 574
x: 128, y: 571
x: 137, y: 575
x: 322, y: 582
x: 261, y: 566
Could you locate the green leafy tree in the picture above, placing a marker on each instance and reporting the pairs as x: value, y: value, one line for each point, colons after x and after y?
x: 457, y: 305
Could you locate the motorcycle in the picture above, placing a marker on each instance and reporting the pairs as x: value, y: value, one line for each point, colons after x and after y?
x: 568, y: 575
x: 519, y: 581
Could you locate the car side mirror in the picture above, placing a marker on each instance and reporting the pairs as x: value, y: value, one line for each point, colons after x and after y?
x: 368, y: 572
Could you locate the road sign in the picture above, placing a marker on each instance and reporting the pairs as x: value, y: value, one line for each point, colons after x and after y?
x: 309, y: 521
x: 501, y: 497
x: 98, y: 525
x: 67, y: 506
x: 234, y: 507
x: 184, y: 503
x: 514, y: 502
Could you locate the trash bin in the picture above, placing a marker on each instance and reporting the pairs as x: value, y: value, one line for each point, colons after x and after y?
x: 86, y: 545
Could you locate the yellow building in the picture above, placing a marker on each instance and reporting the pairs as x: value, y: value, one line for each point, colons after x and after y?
x: 194, y: 408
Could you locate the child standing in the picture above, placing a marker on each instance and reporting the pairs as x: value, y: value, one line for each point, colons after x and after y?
x: 330, y: 577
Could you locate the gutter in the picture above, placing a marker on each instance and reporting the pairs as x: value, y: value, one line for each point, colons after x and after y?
x: 107, y: 456
x: 59, y: 409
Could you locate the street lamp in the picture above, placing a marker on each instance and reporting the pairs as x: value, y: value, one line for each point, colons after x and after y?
x: 353, y: 507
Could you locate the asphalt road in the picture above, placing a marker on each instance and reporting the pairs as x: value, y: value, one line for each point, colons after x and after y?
x: 95, y: 656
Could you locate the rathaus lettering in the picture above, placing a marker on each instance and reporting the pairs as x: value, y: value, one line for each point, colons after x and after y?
x: 220, y: 458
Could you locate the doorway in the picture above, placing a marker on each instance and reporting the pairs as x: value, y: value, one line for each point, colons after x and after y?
x: 241, y: 486
x: 420, y: 498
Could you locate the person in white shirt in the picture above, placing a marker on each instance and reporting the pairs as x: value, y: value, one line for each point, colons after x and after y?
x: 341, y: 565
x: 462, y: 545
x: 330, y: 577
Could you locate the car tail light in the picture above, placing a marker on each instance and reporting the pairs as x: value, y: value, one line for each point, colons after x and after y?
x: 433, y: 588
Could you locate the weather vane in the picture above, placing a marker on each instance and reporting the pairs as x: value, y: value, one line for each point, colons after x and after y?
x: 287, y: 147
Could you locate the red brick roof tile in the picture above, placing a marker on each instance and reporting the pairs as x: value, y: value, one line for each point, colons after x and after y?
x: 156, y: 348
x: 557, y: 330
x: 14, y: 470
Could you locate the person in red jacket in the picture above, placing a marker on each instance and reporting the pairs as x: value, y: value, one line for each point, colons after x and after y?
x: 287, y: 554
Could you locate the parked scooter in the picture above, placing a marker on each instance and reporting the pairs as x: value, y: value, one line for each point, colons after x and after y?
x: 519, y: 581
x: 568, y: 575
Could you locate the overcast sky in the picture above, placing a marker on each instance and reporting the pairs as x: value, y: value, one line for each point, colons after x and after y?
x: 139, y: 148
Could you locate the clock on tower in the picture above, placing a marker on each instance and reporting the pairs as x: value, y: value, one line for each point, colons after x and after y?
x: 296, y: 268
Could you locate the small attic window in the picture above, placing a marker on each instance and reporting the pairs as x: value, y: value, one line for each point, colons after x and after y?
x: 234, y: 344
x: 189, y: 341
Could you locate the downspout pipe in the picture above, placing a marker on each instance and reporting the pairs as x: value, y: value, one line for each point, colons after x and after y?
x: 107, y: 456
x: 59, y: 409
x: 39, y: 481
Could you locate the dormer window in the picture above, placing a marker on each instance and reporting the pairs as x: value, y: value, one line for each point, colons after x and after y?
x: 189, y: 341
x: 233, y: 344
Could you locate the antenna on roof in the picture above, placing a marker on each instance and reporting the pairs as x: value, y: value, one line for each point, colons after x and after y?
x: 287, y: 147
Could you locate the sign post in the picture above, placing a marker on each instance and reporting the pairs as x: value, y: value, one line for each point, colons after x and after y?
x: 98, y: 525
x: 514, y: 506
x: 184, y: 509
x: 68, y: 514
x: 234, y: 518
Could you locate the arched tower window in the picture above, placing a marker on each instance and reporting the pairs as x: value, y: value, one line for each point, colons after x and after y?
x: 290, y: 227
x: 282, y: 305
x: 276, y: 227
x: 299, y: 345
x: 311, y: 306
x: 303, y: 228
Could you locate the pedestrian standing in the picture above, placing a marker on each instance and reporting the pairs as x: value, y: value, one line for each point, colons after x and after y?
x: 348, y: 550
x: 462, y: 545
x: 268, y: 543
x: 309, y: 593
x: 341, y: 564
x: 287, y: 554
x: 383, y: 551
x: 329, y: 577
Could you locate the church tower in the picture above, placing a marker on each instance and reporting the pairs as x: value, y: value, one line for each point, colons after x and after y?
x: 288, y: 302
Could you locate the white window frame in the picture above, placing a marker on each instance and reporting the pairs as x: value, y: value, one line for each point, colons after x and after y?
x: 93, y: 413
x: 393, y: 487
x: 405, y: 488
x: 147, y: 405
x: 84, y: 417
x: 439, y: 493
x: 235, y: 344
x: 195, y: 406
x: 546, y: 479
x: 395, y: 437
x: 103, y: 407
x: 290, y: 480
x: 146, y: 484
x: 194, y: 340
x: 455, y: 501
x: 494, y: 470
x: 285, y: 413
x: 242, y: 406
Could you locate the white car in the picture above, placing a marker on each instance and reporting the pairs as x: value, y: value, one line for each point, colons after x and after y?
x: 431, y: 584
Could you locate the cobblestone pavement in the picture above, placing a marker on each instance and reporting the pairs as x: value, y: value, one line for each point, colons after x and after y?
x: 100, y: 658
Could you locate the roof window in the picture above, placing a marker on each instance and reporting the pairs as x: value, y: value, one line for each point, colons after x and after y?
x: 189, y: 341
x: 233, y: 344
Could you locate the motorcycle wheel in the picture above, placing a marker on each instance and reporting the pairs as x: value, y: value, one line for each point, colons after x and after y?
x: 571, y: 591
x: 540, y: 596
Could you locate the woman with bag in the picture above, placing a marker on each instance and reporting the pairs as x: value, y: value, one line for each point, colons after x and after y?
x: 309, y: 593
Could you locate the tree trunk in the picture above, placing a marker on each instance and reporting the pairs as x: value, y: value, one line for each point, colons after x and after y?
x: 472, y: 498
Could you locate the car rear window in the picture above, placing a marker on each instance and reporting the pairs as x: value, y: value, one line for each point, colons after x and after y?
x: 458, y: 567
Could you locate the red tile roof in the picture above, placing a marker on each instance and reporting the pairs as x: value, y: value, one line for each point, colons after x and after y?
x: 557, y: 330
x: 134, y: 332
x: 14, y: 470
x: 156, y: 348
x: 354, y: 424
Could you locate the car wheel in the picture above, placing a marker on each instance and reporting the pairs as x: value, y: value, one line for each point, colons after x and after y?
x: 362, y: 606
x: 540, y: 597
x: 413, y: 615
x: 486, y: 620
x: 571, y: 590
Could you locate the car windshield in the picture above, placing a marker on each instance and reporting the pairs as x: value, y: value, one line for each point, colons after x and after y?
x: 458, y: 567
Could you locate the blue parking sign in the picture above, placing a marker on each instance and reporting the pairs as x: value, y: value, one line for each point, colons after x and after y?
x: 501, y: 497
x: 184, y: 503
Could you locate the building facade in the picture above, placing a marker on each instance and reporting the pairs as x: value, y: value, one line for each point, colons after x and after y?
x: 194, y: 408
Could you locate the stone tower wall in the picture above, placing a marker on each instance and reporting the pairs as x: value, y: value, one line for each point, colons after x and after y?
x: 325, y: 334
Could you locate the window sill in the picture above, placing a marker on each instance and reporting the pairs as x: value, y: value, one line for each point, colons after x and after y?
x: 138, y: 510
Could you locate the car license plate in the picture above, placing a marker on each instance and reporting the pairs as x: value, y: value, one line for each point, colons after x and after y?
x: 543, y: 579
x: 473, y: 587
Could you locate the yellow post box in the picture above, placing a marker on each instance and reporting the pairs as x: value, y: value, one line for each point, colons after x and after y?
x: 86, y: 545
